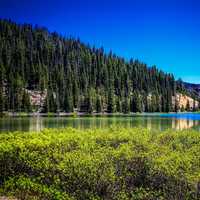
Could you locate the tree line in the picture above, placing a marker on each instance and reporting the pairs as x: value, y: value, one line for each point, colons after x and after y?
x: 76, y: 75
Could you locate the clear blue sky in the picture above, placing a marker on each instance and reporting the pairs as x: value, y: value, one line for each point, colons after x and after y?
x: 165, y: 33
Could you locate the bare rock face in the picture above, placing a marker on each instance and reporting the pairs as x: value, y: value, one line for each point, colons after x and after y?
x: 183, y: 100
x: 37, y: 98
x: 195, y: 88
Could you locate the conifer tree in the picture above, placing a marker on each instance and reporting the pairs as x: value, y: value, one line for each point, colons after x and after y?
x: 182, y: 108
x: 98, y: 104
x: 111, y: 102
x: 188, y: 106
x: 88, y: 104
x: 199, y: 105
x: 194, y: 108
x: 136, y: 104
x: 50, y: 102
x: 126, y: 105
x: 118, y: 105
x: 154, y: 104
x: 176, y: 106
x: 146, y: 104
x: 33, y: 58
x: 26, y: 104
x: 2, y: 103
x: 1, y: 100
x: 68, y: 101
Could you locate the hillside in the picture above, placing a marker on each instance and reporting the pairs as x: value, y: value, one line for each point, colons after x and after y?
x: 63, y: 74
x: 193, y: 87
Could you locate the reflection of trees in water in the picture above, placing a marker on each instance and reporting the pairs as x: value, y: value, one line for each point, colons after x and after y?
x: 181, y: 124
x: 84, y: 123
x: 36, y: 123
x: 15, y: 124
x: 39, y: 123
x: 171, y: 123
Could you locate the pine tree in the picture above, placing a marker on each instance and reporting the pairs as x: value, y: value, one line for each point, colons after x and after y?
x: 194, y: 108
x: 98, y: 104
x: 146, y: 104
x: 26, y: 104
x: 163, y: 104
x: 75, y: 94
x: 188, y: 106
x: 68, y: 101
x: 176, y: 106
x: 1, y: 89
x: 154, y: 104
x: 1, y: 100
x: 182, y: 108
x: 118, y: 105
x: 17, y: 93
x: 168, y: 101
x: 111, y: 102
x: 158, y: 103
x: 33, y: 58
x: 88, y: 104
x: 126, y: 105
x: 199, y: 105
x: 136, y: 104
x: 50, y: 102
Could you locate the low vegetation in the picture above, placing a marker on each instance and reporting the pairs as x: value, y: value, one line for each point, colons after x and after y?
x: 112, y: 163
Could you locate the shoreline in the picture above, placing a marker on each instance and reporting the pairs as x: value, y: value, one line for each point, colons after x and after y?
x: 83, y: 114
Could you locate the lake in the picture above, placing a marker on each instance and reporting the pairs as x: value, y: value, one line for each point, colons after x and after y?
x: 150, y: 121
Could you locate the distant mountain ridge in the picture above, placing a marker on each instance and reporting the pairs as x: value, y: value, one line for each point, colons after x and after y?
x: 193, y: 87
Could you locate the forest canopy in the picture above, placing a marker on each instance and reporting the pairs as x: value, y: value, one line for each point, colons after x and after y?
x: 76, y: 76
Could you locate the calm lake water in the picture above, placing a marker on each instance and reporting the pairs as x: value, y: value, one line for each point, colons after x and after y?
x: 150, y: 121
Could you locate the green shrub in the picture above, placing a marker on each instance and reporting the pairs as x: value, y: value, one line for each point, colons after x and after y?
x: 113, y: 163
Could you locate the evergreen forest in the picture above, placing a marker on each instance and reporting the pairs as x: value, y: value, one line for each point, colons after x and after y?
x: 76, y: 76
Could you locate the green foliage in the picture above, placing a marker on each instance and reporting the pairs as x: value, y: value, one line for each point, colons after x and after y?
x: 2, y: 103
x: 177, y: 107
x: 26, y: 104
x: 126, y: 105
x: 188, y: 106
x: 76, y: 76
x: 68, y: 102
x: 113, y: 163
x: 1, y: 100
x: 136, y: 103
x: 98, y: 104
x: 111, y: 102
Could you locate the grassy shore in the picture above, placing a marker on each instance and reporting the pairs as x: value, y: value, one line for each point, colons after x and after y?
x: 114, y: 163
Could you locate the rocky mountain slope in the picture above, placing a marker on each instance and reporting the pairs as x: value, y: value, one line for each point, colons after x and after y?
x: 193, y: 87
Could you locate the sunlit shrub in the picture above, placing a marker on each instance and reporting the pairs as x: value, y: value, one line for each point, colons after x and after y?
x: 113, y: 163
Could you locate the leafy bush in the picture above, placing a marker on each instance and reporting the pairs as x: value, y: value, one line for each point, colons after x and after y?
x: 113, y: 163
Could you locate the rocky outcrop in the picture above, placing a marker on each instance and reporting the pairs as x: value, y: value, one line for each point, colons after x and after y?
x: 37, y: 98
x: 195, y: 88
x: 183, y: 100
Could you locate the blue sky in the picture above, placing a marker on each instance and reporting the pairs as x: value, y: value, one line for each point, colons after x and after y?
x: 165, y: 33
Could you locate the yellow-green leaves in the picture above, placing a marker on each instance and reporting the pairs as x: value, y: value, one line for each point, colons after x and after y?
x: 112, y: 163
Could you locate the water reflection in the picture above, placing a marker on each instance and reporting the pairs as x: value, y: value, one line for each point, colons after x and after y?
x: 150, y: 122
x: 181, y: 124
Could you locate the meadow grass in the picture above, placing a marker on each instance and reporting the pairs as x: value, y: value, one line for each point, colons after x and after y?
x: 113, y: 163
